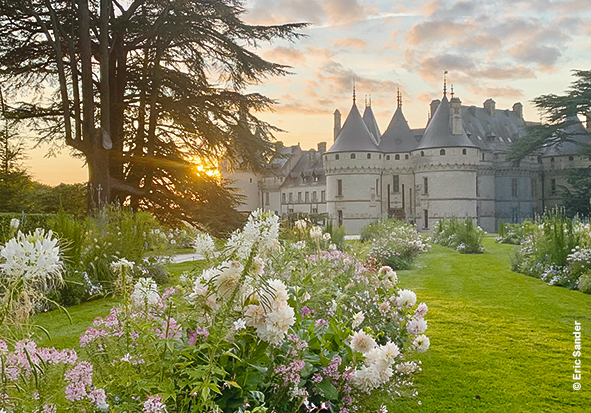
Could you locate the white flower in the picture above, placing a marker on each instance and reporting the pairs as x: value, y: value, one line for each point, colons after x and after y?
x: 119, y: 265
x: 255, y: 316
x: 326, y: 236
x: 204, y: 245
x: 416, y: 326
x: 300, y: 245
x: 258, y: 266
x: 300, y: 224
x: 14, y: 224
x: 358, y: 319
x: 421, y: 310
x: 362, y: 342
x: 407, y: 367
x: 332, y: 247
x: 228, y: 278
x: 384, y: 307
x: 366, y: 379
x: 277, y: 325
x: 34, y: 257
x: 305, y: 297
x: 239, y: 324
x: 274, y: 295
x: 315, y: 233
x: 389, y: 352
x: 421, y: 343
x: 406, y: 299
x: 145, y: 292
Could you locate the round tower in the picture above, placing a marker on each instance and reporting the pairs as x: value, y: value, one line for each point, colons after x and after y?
x: 446, y: 164
x: 353, y: 168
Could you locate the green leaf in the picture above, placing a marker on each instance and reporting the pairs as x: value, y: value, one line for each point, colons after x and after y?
x: 328, y: 390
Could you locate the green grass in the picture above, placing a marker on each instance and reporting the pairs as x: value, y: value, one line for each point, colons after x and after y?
x: 496, y: 334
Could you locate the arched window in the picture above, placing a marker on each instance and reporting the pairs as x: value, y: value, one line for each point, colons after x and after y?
x: 551, y: 159
x: 442, y: 152
x: 406, y: 156
x: 352, y: 156
x: 397, y: 157
x: 380, y: 156
x: 369, y: 156
x: 422, y: 153
x: 571, y: 158
x: 336, y: 157
x: 464, y: 152
x: 387, y: 157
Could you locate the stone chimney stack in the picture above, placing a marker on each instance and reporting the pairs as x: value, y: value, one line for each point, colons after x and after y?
x: 337, y: 123
x: 455, y: 116
x: 321, y: 147
x: 518, y: 108
x: 433, y: 107
x: 490, y: 105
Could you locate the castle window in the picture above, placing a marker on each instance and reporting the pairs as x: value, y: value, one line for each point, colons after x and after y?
x: 406, y: 156
x: 251, y: 180
x: 369, y: 156
x: 314, y: 210
x: 553, y: 186
x: 291, y: 197
x: 514, y: 191
x: 339, y: 187
x: 283, y: 198
x: 267, y: 198
x: 571, y: 158
x: 483, y: 156
x: 352, y: 156
x: 426, y: 217
x: 477, y: 188
x: 314, y: 196
x: 397, y: 157
x: 316, y: 178
x: 307, y: 196
x: 377, y: 187
x: 336, y: 157
x: 422, y: 153
x: 425, y: 186
x: 396, y: 183
x: 464, y: 152
x: 340, y: 217
x: 322, y: 196
x: 387, y: 157
x: 534, y: 184
x: 380, y: 156
x: 551, y: 159
x: 442, y: 152
x: 299, y: 197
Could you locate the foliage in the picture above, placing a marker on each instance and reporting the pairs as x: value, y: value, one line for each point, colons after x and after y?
x: 576, y: 196
x: 459, y: 234
x: 14, y: 188
x: 26, y: 223
x: 393, y: 243
x: 556, y: 251
x: 561, y: 115
x: 46, y: 199
x: 144, y: 106
x: 514, y: 233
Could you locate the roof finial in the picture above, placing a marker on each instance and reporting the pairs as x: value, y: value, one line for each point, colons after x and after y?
x: 354, y: 91
x: 370, y: 100
x: 452, y: 91
x: 444, y: 83
x: 398, y: 98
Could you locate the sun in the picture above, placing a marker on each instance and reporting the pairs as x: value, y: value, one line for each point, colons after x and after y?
x: 206, y: 167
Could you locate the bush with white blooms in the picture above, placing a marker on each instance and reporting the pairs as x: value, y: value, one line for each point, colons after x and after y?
x: 268, y: 326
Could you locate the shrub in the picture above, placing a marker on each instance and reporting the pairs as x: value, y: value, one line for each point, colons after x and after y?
x: 459, y: 234
x: 514, y: 233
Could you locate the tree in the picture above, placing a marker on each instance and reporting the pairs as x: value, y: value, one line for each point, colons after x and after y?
x: 560, y: 115
x: 577, y: 196
x: 145, y: 88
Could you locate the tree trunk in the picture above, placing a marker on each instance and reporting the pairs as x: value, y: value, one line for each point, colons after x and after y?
x: 99, y: 181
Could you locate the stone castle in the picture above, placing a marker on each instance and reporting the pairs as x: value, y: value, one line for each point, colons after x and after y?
x: 456, y: 166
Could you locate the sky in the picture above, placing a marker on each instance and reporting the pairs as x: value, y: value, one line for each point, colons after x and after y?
x: 507, y: 50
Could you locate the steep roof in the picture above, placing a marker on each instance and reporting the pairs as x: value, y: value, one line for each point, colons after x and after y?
x: 398, y: 137
x: 354, y: 136
x: 577, y: 138
x: 372, y: 125
x: 308, y: 167
x: 438, y: 133
x: 492, y: 132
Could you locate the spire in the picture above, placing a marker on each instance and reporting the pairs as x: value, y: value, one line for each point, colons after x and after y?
x: 369, y: 101
x: 398, y: 98
x: 354, y: 91
x: 452, y: 91
x: 445, y: 83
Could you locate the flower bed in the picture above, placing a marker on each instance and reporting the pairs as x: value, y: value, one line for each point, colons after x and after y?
x: 292, y: 328
x: 459, y: 234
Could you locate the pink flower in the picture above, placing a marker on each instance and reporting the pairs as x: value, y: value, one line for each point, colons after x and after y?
x: 154, y: 405
x: 170, y: 330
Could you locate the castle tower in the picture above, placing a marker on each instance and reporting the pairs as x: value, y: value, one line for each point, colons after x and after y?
x: 353, y: 168
x: 397, y: 143
x: 371, y: 123
x: 445, y: 163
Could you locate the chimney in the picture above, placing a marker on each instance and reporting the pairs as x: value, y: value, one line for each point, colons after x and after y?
x: 518, y: 108
x: 588, y: 123
x: 489, y: 105
x: 337, y: 123
x: 455, y: 116
x: 321, y: 147
x: 434, y: 105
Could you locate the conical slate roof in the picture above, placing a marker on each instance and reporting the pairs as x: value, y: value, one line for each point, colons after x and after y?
x: 398, y: 137
x: 372, y: 125
x: 577, y: 138
x: 438, y: 133
x: 354, y: 136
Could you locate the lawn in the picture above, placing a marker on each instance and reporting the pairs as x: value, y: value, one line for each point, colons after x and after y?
x: 500, y: 341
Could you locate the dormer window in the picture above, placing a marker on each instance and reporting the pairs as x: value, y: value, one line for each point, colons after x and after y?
x: 442, y: 152
x: 369, y: 156
x: 387, y: 157
x: 422, y: 153
x: 406, y: 156
x: 397, y: 157
x: 464, y: 152
x: 352, y: 156
x: 552, y: 160
x: 336, y: 157
x: 571, y: 158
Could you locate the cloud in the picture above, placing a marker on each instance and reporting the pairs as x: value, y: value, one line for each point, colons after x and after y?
x: 544, y: 56
x: 435, y: 30
x: 285, y: 55
x: 344, y: 11
x: 351, y: 43
x: 497, y: 92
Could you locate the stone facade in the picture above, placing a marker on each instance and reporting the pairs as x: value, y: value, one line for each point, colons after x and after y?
x: 456, y: 166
